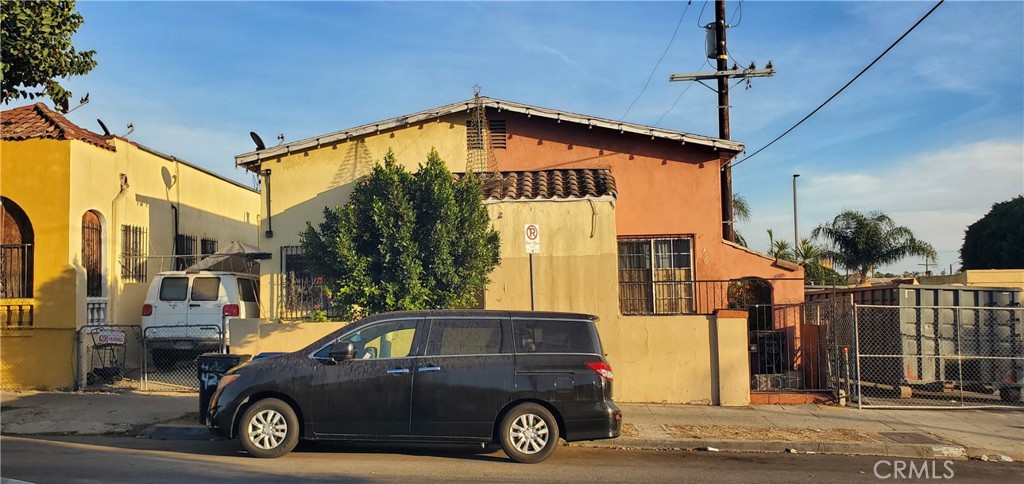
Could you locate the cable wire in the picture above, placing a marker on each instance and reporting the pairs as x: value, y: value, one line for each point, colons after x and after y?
x: 653, y: 70
x: 673, y: 106
x: 701, y: 13
x: 911, y: 29
x: 739, y: 9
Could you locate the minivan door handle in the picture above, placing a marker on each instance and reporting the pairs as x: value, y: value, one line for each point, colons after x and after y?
x: 194, y: 305
x: 423, y: 369
x: 398, y: 371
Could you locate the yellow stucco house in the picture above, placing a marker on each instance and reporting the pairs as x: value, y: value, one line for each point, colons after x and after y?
x: 88, y: 220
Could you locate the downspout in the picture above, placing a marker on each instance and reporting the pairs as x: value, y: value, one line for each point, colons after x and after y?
x: 270, y: 227
x: 174, y: 243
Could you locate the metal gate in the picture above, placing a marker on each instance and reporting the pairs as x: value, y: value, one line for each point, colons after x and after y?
x: 169, y: 355
x: 796, y: 346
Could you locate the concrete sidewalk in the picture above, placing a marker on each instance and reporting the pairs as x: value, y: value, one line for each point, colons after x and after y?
x: 955, y: 433
x: 761, y: 428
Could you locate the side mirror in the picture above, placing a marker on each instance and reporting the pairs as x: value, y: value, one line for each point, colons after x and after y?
x: 344, y: 351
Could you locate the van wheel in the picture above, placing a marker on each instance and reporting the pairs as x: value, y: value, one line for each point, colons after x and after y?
x: 269, y: 428
x: 529, y: 433
x: 1009, y: 394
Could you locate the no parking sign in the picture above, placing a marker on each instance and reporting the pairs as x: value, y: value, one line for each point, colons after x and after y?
x: 532, y: 233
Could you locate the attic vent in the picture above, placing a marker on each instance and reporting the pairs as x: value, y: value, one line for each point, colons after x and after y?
x: 496, y: 130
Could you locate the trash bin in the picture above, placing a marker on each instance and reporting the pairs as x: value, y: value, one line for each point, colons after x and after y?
x: 211, y: 367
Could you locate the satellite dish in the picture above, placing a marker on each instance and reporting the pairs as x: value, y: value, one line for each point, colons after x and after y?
x: 106, y: 132
x: 259, y: 141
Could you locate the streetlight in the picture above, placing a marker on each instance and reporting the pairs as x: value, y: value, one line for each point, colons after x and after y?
x: 796, y: 240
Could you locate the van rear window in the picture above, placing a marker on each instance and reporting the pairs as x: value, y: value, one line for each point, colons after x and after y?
x: 247, y: 290
x: 205, y: 288
x: 174, y: 289
x: 552, y: 336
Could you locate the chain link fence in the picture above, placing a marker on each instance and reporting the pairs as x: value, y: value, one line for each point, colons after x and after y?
x: 108, y: 356
x: 169, y: 355
x: 938, y: 356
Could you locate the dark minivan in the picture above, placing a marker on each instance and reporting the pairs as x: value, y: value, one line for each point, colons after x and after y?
x: 520, y: 379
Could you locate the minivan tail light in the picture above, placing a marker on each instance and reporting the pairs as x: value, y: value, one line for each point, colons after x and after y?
x: 230, y: 310
x: 601, y: 368
x: 147, y: 309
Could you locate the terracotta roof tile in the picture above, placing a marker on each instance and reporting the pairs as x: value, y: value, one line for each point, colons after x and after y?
x: 38, y: 121
x: 550, y: 184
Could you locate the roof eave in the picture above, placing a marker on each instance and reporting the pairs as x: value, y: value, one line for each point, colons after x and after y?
x: 254, y: 157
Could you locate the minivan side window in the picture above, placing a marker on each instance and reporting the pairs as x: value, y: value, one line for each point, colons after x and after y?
x: 464, y: 337
x: 549, y: 336
x: 174, y: 289
x: 205, y: 288
x: 247, y: 290
x: 390, y: 339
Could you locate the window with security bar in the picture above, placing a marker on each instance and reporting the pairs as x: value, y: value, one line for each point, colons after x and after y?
x: 656, y: 275
x: 133, y: 253
x: 184, y: 251
x: 207, y: 247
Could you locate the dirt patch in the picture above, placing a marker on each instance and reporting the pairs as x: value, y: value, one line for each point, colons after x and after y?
x: 628, y: 430
x: 735, y: 432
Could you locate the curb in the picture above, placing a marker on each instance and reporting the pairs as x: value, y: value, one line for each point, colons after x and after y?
x: 927, y: 451
x: 179, y: 432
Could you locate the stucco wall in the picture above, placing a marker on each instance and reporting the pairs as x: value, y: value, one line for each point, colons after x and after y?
x: 208, y: 207
x: 675, y: 359
x: 250, y: 337
x: 303, y: 183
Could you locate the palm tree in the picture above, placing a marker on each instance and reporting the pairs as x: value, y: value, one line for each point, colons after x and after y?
x: 740, y: 213
x: 779, y: 249
x: 861, y: 242
x: 807, y: 252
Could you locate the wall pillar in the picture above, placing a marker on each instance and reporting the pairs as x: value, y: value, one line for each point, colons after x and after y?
x: 731, y: 358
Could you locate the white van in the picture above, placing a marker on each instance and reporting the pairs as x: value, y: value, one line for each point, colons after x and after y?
x: 186, y: 312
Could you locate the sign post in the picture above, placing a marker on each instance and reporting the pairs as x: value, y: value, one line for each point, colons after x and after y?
x: 532, y: 234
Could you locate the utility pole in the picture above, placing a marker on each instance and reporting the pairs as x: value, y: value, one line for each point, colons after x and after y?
x: 722, y: 75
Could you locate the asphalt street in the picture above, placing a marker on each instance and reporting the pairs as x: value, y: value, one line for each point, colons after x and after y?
x: 127, y: 459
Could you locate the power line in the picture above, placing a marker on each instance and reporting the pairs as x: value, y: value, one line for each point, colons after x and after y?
x: 911, y: 29
x: 739, y: 9
x: 701, y: 13
x: 667, y: 47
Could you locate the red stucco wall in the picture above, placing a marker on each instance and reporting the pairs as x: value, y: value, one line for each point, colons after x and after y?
x: 664, y: 188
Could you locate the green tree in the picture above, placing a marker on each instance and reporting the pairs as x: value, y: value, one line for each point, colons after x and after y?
x: 996, y: 241
x: 862, y: 242
x: 36, y: 49
x: 405, y: 241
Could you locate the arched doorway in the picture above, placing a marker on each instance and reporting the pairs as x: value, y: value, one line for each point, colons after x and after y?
x: 17, y: 261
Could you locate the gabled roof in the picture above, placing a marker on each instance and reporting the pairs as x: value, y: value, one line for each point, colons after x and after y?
x: 550, y: 185
x: 400, y: 121
x: 38, y: 121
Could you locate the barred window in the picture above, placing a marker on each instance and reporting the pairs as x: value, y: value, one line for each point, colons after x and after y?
x: 133, y: 253
x: 208, y: 246
x: 185, y: 251
x: 656, y: 275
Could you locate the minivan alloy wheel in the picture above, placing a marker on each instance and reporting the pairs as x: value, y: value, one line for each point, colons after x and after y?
x: 267, y: 429
x: 529, y: 434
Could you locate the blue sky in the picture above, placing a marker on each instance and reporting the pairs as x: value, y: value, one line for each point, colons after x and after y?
x: 933, y: 134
